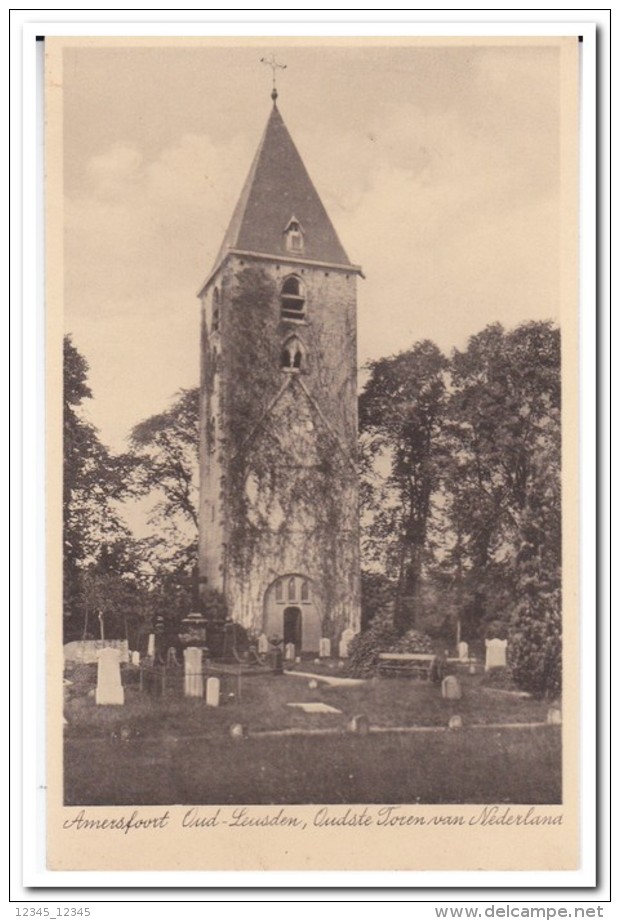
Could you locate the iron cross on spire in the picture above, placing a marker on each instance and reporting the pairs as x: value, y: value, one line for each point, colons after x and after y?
x: 271, y: 62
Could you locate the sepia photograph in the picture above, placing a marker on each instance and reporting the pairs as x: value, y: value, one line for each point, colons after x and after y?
x: 311, y: 349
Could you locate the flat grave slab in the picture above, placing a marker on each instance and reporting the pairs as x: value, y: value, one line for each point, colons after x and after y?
x: 315, y: 707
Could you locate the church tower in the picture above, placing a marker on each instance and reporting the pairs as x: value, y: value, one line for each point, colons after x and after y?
x: 278, y: 521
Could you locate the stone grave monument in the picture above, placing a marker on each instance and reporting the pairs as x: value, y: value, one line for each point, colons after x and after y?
x: 263, y: 644
x: 463, y: 651
x: 496, y: 654
x: 325, y: 648
x: 289, y: 652
x: 109, y: 687
x: 193, y: 685
x: 451, y: 688
x: 345, y: 639
x: 213, y: 692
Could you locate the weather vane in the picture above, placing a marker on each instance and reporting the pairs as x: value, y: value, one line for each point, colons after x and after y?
x: 271, y: 62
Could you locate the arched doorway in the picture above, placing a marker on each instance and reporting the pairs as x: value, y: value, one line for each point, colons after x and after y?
x: 291, y: 626
x: 292, y: 612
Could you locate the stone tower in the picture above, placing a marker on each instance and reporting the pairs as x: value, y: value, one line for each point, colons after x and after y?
x: 278, y: 533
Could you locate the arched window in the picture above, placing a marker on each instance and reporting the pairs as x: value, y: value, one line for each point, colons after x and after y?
x: 215, y: 316
x: 291, y: 589
x: 305, y: 590
x: 292, y: 299
x: 279, y: 591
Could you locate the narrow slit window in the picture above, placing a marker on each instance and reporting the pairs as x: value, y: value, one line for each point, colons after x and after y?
x: 291, y: 589
x: 305, y: 590
x: 215, y: 319
x: 279, y: 591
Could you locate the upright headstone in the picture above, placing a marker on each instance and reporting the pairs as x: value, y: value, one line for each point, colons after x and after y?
x: 171, y: 658
x: 150, y: 651
x: 135, y: 658
x: 289, y: 652
x: 345, y: 639
x: 263, y: 644
x: 193, y: 685
x: 496, y: 654
x: 109, y: 687
x: 451, y: 688
x: 325, y: 648
x: 463, y: 651
x: 213, y: 692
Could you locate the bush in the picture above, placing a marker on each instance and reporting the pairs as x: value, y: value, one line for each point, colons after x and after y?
x: 382, y: 636
x: 364, y: 648
x: 412, y: 641
x: 535, y: 646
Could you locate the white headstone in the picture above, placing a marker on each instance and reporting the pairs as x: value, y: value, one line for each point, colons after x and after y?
x: 289, y: 652
x: 455, y: 722
x: 213, y: 692
x: 135, y: 658
x: 345, y: 639
x: 463, y: 651
x: 496, y: 654
x: 263, y: 644
x: 109, y: 687
x: 193, y: 685
x: 451, y: 688
x: 151, y: 647
x: 325, y: 648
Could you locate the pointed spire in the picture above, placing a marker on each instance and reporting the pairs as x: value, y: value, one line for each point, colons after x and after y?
x: 277, y: 189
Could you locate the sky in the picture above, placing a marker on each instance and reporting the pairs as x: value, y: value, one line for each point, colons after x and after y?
x: 440, y: 167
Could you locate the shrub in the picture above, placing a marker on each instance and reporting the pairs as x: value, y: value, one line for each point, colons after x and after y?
x: 413, y: 641
x: 382, y: 636
x: 535, y: 646
x: 364, y: 648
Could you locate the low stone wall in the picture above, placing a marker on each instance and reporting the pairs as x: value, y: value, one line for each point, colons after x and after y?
x: 87, y: 651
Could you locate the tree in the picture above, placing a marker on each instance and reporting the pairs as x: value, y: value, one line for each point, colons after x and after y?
x: 165, y: 447
x: 94, y: 484
x: 502, y: 418
x: 401, y: 411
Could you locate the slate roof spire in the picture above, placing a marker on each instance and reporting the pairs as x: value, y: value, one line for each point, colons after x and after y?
x: 277, y: 189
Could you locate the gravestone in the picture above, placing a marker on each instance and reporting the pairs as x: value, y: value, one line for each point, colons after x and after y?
x: 463, y: 651
x: 289, y: 652
x: 109, y: 687
x: 345, y: 639
x: 554, y: 716
x: 451, y: 688
x: 359, y: 724
x: 151, y: 646
x: 455, y: 722
x: 135, y: 658
x: 325, y: 648
x: 496, y: 654
x: 171, y: 658
x: 213, y: 692
x: 193, y: 685
x: 263, y: 644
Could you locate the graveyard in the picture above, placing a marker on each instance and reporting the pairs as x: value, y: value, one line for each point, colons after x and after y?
x: 303, y: 733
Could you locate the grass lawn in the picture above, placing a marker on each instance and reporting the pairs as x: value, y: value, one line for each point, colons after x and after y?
x: 158, y: 750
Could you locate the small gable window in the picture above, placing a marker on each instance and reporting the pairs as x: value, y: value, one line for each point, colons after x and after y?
x: 294, y: 236
x: 292, y: 299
